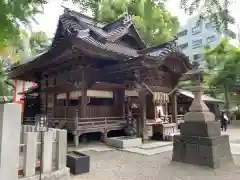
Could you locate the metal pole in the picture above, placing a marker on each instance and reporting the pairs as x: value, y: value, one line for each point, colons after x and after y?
x: 41, y: 155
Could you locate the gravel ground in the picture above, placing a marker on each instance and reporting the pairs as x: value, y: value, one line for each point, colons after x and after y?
x: 119, y: 165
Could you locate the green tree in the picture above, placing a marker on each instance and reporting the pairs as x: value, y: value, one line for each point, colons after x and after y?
x: 16, y: 52
x: 154, y: 23
x: 145, y: 14
x: 25, y: 45
x: 223, y: 63
x: 6, y: 87
x: 206, y: 8
x: 17, y: 48
x: 215, y: 10
x: 16, y: 12
x: 13, y: 14
x: 38, y: 42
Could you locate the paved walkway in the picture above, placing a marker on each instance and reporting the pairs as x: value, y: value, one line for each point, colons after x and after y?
x: 152, y: 161
x: 120, y: 165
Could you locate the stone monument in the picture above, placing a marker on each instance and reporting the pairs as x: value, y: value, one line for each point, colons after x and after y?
x: 200, y: 141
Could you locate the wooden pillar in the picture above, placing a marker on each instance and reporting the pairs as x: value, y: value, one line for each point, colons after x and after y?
x: 84, y: 103
x: 84, y: 96
x: 174, y: 107
x: 121, y: 95
x: 143, y: 117
x: 166, y: 112
x: 66, y: 105
x: 119, y: 102
x: 129, y: 111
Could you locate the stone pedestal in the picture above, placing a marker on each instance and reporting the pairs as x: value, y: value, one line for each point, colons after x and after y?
x: 213, y: 152
x: 201, y: 142
x: 124, y: 142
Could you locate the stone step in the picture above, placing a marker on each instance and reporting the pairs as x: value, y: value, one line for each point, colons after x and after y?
x: 154, y: 145
x: 149, y: 152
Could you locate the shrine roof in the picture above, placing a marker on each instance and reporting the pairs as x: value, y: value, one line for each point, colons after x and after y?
x: 76, y: 30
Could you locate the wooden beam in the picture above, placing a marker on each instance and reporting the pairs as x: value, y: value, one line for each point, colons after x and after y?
x: 143, y: 116
x: 124, y: 66
x: 84, y: 95
x: 174, y: 107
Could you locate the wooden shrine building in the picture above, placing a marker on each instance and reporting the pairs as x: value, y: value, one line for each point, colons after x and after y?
x: 92, y: 72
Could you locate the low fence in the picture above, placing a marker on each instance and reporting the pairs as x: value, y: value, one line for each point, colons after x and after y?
x: 72, y: 124
x: 20, y: 149
x: 54, y: 151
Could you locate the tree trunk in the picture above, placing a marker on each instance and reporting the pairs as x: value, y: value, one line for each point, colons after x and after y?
x: 226, y: 91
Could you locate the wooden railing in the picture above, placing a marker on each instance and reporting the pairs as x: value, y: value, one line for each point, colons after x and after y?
x: 79, y: 123
x: 101, y: 121
x: 91, y: 111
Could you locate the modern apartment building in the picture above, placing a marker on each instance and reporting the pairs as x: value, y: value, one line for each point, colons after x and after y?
x: 192, y: 38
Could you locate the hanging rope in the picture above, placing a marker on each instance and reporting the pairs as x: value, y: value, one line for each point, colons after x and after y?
x: 160, y: 97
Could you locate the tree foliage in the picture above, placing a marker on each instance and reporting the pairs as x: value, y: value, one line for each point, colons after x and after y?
x: 223, y: 61
x: 18, y: 51
x: 25, y: 45
x: 13, y: 14
x: 215, y: 10
x: 223, y: 64
x: 154, y: 23
x: 38, y: 42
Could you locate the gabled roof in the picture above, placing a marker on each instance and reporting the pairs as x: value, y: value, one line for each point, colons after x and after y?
x: 112, y: 31
x: 77, y: 31
x: 132, y: 30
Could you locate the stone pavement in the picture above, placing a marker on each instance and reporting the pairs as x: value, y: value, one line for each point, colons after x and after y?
x: 120, y: 165
x: 152, y: 161
x: 234, y: 137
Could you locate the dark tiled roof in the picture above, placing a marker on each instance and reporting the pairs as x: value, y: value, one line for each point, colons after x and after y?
x: 112, y: 35
x: 159, y: 51
x: 73, y: 24
x: 109, y: 46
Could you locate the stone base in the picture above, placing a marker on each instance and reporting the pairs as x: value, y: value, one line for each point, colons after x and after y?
x: 124, y: 142
x: 213, y: 152
x: 203, y: 129
x: 199, y: 116
x: 62, y: 174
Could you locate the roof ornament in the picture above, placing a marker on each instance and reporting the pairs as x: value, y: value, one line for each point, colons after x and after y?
x: 127, y: 19
x: 83, y: 33
x: 66, y: 10
x: 6, y: 63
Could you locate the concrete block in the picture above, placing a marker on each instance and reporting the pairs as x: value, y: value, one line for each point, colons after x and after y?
x: 30, y: 140
x: 10, y: 126
x: 124, y: 142
x: 47, y: 151
x: 61, y: 149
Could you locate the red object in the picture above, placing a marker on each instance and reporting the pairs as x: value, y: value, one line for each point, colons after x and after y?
x: 21, y: 173
x: 235, y: 93
x: 102, y: 138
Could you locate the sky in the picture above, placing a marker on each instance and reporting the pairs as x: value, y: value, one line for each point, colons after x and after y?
x: 47, y: 21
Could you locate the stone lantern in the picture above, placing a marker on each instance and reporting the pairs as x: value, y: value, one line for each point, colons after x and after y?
x: 200, y: 141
